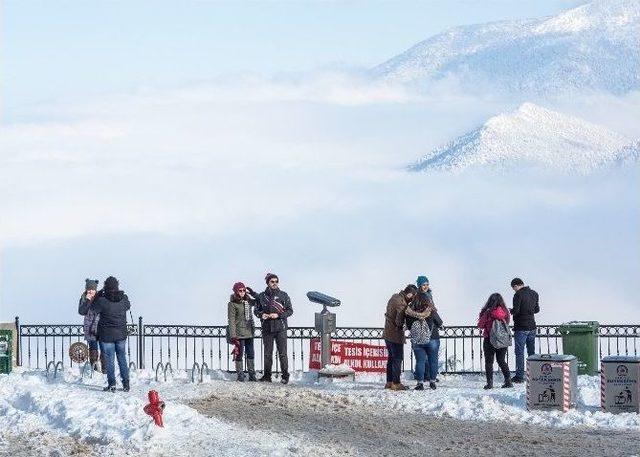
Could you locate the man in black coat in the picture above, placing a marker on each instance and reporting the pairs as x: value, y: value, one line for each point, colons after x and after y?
x: 525, y: 305
x: 112, y: 304
x: 273, y: 308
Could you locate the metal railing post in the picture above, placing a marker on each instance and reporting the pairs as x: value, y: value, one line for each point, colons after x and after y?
x: 18, y: 343
x: 140, y: 343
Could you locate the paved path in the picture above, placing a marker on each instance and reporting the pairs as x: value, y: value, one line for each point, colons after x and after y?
x: 352, y: 430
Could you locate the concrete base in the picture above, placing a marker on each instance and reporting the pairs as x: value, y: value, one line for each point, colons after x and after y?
x: 337, y: 373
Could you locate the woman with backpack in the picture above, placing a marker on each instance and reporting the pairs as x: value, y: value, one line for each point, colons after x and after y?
x: 494, y: 310
x: 417, y: 315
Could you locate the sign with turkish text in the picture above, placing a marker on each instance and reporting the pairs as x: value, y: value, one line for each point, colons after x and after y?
x: 361, y: 357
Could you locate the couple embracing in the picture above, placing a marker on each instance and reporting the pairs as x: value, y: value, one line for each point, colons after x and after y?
x: 105, y: 327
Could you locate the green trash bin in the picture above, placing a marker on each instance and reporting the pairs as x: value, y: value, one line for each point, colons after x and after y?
x: 581, y: 339
x: 6, y: 343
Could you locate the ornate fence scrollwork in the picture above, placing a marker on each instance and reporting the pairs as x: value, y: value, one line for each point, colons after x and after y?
x: 191, y: 347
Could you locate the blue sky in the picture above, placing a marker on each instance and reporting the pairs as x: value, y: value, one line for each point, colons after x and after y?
x: 55, y: 51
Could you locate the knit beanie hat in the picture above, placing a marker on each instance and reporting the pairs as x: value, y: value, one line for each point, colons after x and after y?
x: 91, y: 284
x: 111, y: 283
x: 422, y: 280
x: 270, y: 276
x: 237, y: 286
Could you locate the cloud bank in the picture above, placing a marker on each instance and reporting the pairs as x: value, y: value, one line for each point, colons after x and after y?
x: 182, y: 192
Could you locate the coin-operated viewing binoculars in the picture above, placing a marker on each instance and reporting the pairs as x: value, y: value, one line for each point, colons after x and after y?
x: 325, y: 323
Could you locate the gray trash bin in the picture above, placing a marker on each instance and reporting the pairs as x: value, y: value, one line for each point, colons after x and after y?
x: 620, y: 384
x: 552, y: 382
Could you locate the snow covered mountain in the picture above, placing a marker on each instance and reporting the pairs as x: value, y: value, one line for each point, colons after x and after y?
x: 594, y: 46
x: 537, y: 137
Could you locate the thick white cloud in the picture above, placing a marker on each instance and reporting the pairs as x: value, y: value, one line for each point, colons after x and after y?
x: 181, y: 192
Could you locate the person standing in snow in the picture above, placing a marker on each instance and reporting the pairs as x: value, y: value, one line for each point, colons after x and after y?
x: 273, y: 308
x: 112, y: 304
x: 525, y: 306
x: 242, y: 328
x: 393, y: 335
x: 435, y: 324
x: 494, y: 309
x: 416, y: 316
x: 90, y: 324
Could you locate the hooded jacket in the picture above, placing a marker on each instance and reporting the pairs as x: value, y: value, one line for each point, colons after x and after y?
x: 112, y: 305
x: 240, y: 317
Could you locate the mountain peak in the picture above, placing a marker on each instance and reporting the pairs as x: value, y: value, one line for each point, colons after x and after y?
x: 533, y: 136
x: 591, y: 47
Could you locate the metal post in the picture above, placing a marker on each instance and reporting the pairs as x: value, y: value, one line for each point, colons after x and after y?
x: 18, y: 343
x: 140, y: 343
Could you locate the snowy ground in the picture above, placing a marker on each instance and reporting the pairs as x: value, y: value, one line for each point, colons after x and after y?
x: 72, y: 416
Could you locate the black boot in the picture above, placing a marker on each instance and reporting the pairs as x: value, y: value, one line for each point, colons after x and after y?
x: 251, y: 369
x: 432, y: 385
x: 109, y: 389
x: 265, y: 378
x: 125, y: 385
x: 285, y: 378
x: 489, y: 380
x: 419, y: 386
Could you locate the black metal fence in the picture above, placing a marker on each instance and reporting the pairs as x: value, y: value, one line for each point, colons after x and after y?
x: 184, y: 345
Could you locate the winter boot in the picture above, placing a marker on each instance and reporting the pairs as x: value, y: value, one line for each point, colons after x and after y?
x: 517, y: 380
x: 398, y: 386
x: 489, y: 380
x: 251, y: 369
x: 125, y: 385
x: 419, y: 386
x: 388, y: 385
x: 240, y: 370
x: 285, y: 378
x: 265, y: 378
x: 109, y: 389
x: 94, y: 356
x: 507, y: 384
x: 432, y: 385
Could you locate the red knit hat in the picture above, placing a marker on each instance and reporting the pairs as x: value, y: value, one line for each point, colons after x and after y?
x: 237, y: 286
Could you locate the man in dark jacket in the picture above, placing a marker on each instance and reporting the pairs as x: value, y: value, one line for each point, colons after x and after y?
x: 273, y: 309
x: 112, y: 304
x: 393, y: 335
x: 525, y: 305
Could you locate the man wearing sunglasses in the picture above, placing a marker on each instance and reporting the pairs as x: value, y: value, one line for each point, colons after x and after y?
x: 273, y: 309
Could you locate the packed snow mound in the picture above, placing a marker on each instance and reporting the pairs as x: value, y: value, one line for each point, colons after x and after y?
x: 591, y: 47
x: 533, y: 136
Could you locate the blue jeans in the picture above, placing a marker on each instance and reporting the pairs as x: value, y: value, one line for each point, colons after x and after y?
x: 395, y: 355
x: 426, y: 356
x: 93, y: 345
x: 246, y: 347
x: 111, y: 351
x: 522, y: 338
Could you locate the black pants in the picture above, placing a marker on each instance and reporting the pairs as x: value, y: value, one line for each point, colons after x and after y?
x: 395, y: 355
x: 500, y: 354
x: 281, y: 344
